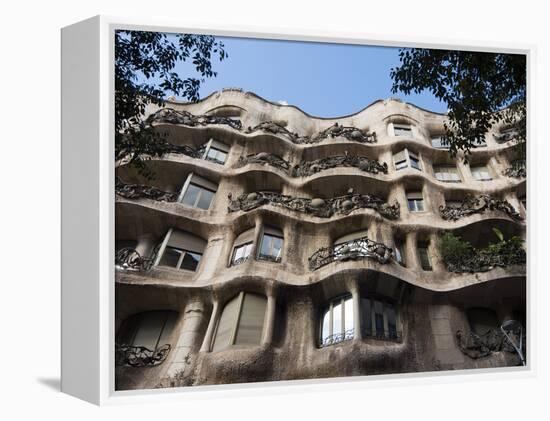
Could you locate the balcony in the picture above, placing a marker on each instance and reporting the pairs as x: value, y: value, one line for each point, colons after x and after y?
x: 139, y: 356
x: 322, y: 208
x: 138, y: 191
x: 482, y: 203
x: 356, y: 249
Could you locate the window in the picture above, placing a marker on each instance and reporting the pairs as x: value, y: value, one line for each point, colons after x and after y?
x: 242, y: 247
x: 415, y: 201
x: 379, y: 319
x: 182, y: 251
x: 241, y: 254
x: 241, y: 322
x: 151, y: 330
x: 402, y: 130
x: 439, y: 143
x: 271, y: 246
x: 405, y: 159
x: 216, y: 155
x: 399, y: 252
x: 447, y: 173
x: 481, y: 173
x: 199, y: 192
x: 337, y: 323
x: 424, y: 256
x: 215, y: 151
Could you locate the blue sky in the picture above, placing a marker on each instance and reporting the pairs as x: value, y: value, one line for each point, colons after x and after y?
x: 326, y: 80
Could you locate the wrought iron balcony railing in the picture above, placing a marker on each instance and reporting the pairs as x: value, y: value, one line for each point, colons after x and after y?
x: 323, y: 208
x: 482, y: 203
x: 357, y: 249
x: 140, y: 356
x: 129, y: 259
x: 483, y: 260
x: 494, y: 340
x: 518, y: 169
x: 337, y: 338
x: 269, y: 258
x: 350, y: 133
x: 171, y: 116
x: 137, y: 191
x: 307, y: 168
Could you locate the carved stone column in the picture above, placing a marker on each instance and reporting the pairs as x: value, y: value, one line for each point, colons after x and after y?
x: 356, y: 297
x: 269, y: 323
x: 189, y: 336
x: 207, y: 342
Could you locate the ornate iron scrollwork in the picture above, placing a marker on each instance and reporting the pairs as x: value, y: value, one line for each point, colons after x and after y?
x: 264, y: 158
x: 137, y: 191
x: 171, y: 116
x: 129, y: 259
x: 517, y: 170
x: 323, y: 208
x: 307, y: 168
x: 139, y: 356
x: 350, y: 133
x: 478, y: 204
x: 357, y: 249
x: 337, y: 338
x: 478, y: 346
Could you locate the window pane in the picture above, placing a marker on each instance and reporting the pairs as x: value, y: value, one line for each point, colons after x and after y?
x: 251, y: 320
x: 402, y: 130
x: 348, y: 314
x: 400, y: 165
x: 337, y: 318
x: 415, y: 163
x: 325, y: 329
x: 217, y: 155
x: 241, y: 253
x: 424, y: 258
x: 366, y: 313
x: 205, y: 199
x: 171, y: 318
x: 226, y: 324
x: 392, y: 321
x: 148, y: 330
x: 191, y: 194
x: 170, y: 257
x: 379, y: 318
x: 190, y: 261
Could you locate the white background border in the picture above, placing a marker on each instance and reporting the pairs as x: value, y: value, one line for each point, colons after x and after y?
x: 30, y: 73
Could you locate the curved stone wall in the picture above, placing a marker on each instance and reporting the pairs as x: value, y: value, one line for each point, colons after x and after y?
x: 318, y: 181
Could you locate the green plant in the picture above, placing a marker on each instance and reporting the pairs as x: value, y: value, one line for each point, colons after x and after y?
x: 454, y: 248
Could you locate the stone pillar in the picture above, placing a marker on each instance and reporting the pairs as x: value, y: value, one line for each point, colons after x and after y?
x: 269, y: 323
x: 207, y: 342
x: 188, y: 340
x: 357, y: 331
x: 145, y: 245
x: 411, y: 254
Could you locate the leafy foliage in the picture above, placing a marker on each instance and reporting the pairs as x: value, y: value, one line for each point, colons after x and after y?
x: 144, y: 75
x: 460, y: 256
x: 480, y: 89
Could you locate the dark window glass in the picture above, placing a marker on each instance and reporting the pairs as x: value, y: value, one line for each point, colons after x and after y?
x: 424, y: 257
x: 415, y: 162
x: 170, y: 257
x: 205, y: 199
x: 271, y: 248
x: 190, y: 261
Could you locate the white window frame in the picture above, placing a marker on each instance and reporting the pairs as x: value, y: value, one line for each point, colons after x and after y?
x: 330, y: 310
x: 408, y: 161
x: 421, y: 245
x: 218, y: 146
x: 440, y: 146
x: 415, y: 199
x: 246, y: 246
x: 407, y: 127
x: 474, y: 171
x: 444, y: 173
x: 196, y: 181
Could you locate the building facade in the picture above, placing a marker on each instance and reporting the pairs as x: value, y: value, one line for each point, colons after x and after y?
x: 273, y: 245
